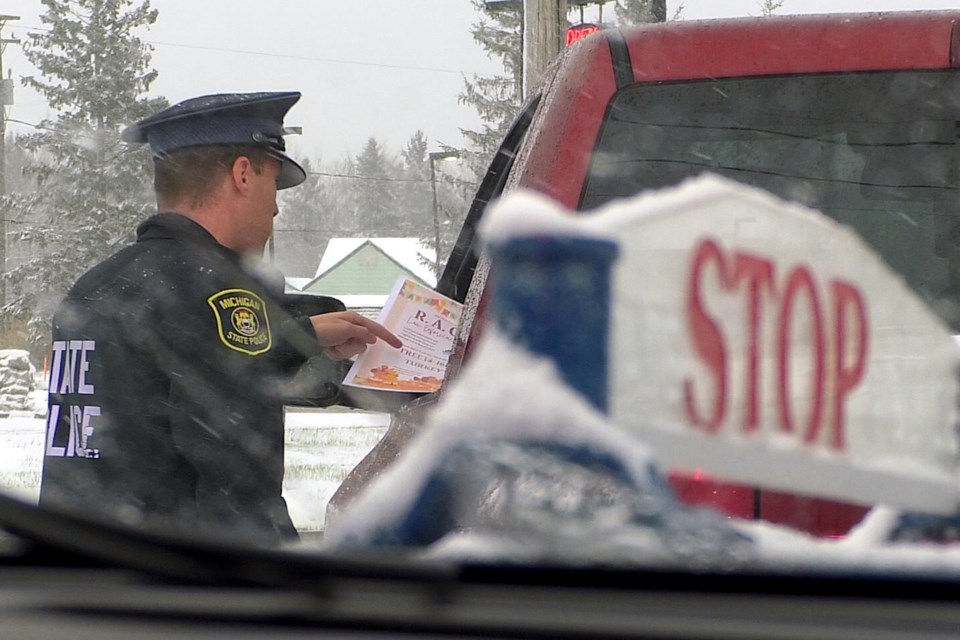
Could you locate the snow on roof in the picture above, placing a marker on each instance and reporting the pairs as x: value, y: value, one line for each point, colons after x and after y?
x: 296, y: 284
x: 410, y: 253
x: 363, y: 301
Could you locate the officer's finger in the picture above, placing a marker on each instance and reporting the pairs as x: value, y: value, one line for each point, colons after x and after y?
x: 380, y: 331
x: 335, y: 328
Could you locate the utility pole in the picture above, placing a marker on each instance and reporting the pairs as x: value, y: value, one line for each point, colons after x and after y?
x: 544, y: 36
x: 6, y: 99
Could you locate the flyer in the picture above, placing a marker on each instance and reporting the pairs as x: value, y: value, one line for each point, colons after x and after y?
x: 426, y: 322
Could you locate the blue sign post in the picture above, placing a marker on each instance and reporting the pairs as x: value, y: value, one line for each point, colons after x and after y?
x: 552, y: 295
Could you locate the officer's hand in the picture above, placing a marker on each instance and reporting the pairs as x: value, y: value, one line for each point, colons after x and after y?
x: 347, y: 333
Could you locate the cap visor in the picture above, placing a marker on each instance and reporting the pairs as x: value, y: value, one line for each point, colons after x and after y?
x: 291, y: 173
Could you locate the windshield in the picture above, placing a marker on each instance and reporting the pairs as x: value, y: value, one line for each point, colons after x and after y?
x: 884, y: 163
x: 291, y: 294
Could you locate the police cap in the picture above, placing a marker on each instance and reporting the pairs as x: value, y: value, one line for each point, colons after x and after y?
x: 254, y: 119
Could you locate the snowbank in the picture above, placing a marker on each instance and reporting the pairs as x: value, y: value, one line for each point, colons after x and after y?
x: 17, y: 381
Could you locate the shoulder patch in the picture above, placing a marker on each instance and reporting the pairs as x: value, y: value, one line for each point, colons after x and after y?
x: 242, y: 320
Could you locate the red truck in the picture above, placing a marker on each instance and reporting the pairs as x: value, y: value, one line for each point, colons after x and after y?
x: 857, y: 116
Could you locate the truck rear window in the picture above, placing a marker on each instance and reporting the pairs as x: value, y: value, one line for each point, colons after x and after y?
x: 875, y: 151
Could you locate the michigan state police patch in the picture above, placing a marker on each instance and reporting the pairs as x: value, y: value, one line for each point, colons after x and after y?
x: 242, y: 320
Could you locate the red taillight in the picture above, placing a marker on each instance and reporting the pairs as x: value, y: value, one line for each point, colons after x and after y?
x: 816, y: 516
x: 699, y: 489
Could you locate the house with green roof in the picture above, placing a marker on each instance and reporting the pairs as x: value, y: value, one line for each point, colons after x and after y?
x: 362, y: 271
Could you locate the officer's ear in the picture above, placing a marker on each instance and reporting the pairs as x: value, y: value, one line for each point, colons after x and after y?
x: 242, y: 173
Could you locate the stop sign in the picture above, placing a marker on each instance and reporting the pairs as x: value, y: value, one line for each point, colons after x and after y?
x: 764, y: 343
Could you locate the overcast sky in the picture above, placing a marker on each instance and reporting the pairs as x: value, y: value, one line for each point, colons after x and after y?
x: 366, y: 68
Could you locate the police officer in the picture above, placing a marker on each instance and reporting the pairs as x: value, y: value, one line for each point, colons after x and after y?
x: 173, y: 358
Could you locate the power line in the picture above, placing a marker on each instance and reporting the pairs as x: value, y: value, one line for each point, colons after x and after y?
x: 265, y: 54
x: 339, y: 232
x: 315, y: 59
x: 386, y: 179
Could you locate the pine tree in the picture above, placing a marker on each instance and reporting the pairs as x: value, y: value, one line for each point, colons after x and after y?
x: 415, y: 193
x: 767, y: 7
x: 641, y: 11
x: 497, y: 99
x: 341, y: 193
x: 454, y: 195
x: 92, y: 188
x: 375, y: 193
x: 303, y: 227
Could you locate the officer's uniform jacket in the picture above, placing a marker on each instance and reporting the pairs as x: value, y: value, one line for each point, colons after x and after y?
x: 171, y: 363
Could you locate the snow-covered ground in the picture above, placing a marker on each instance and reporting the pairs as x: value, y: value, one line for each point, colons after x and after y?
x: 322, y: 446
x: 22, y: 452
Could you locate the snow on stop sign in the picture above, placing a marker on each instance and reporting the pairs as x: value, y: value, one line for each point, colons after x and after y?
x: 762, y: 342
